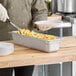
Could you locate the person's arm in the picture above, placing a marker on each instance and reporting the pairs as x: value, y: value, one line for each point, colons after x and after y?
x: 39, y: 10
x: 3, y: 13
x: 39, y: 13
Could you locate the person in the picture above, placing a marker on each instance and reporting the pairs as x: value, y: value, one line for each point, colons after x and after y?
x: 22, y: 13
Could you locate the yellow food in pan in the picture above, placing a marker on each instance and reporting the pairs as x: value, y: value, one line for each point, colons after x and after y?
x: 27, y: 32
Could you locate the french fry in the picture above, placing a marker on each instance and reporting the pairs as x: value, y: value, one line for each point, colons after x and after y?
x: 27, y: 32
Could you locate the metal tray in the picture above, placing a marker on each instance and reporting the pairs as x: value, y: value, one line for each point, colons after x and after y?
x: 35, y: 43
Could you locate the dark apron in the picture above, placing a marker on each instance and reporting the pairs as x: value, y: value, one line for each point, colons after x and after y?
x: 4, y: 35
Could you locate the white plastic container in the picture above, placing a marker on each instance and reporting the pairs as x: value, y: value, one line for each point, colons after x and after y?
x: 6, y: 48
x: 53, y: 23
x: 35, y: 43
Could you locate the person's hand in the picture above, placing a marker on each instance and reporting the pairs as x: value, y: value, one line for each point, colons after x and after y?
x: 3, y: 13
x: 43, y: 27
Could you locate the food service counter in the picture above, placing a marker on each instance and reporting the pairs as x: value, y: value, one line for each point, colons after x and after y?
x: 24, y: 56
